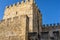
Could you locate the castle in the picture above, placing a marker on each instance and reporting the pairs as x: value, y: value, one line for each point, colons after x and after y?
x: 23, y: 21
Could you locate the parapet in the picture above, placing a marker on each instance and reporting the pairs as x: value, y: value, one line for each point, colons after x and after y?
x: 6, y: 22
x: 19, y: 3
x: 11, y: 5
x: 51, y: 25
x: 14, y: 18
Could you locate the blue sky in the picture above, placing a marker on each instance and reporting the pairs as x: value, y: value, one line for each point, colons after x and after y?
x: 50, y: 9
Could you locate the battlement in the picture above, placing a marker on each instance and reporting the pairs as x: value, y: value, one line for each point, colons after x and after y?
x: 8, y: 21
x: 16, y: 4
x: 15, y: 20
x: 21, y: 3
x: 19, y: 8
x: 51, y: 25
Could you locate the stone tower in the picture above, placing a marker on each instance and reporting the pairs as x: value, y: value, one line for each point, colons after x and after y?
x: 29, y: 8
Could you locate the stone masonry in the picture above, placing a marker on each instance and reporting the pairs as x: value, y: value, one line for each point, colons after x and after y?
x: 15, y: 29
x: 28, y: 8
x: 23, y: 21
x: 19, y: 20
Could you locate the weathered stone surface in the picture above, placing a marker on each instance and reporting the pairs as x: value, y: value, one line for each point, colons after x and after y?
x: 19, y: 19
x: 28, y: 8
x: 17, y: 28
x: 23, y: 21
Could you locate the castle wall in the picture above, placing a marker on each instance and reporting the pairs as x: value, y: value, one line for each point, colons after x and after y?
x: 16, y: 28
x: 53, y: 35
x: 18, y: 10
x: 37, y: 19
x: 51, y: 27
x: 23, y: 18
x: 28, y: 8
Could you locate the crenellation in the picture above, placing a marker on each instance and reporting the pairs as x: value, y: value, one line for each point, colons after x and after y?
x: 58, y: 24
x: 51, y: 25
x: 15, y: 4
x: 11, y: 5
x: 23, y: 2
x: 18, y: 3
x: 3, y: 22
x: 47, y: 25
x: 7, y: 6
x: 17, y: 8
x: 43, y: 25
x: 54, y: 25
